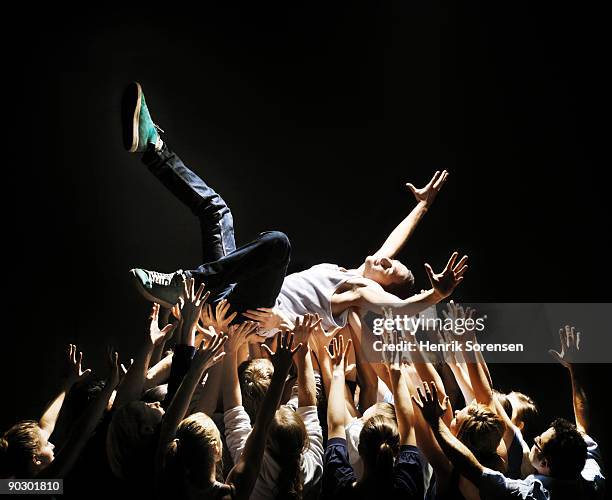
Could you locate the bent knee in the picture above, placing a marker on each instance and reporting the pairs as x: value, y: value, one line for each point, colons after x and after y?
x: 277, y: 243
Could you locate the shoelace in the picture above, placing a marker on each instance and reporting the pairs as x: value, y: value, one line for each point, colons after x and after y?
x: 161, y: 278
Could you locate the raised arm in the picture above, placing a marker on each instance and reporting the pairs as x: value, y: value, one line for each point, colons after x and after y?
x: 570, y: 346
x: 307, y: 390
x: 205, y: 357
x: 84, y: 426
x: 73, y: 373
x: 238, y: 335
x: 336, y: 405
x: 460, y: 456
x: 245, y: 472
x: 402, y: 233
x: 403, y: 405
x: 133, y: 382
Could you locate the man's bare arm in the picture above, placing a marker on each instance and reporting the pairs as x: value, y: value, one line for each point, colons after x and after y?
x: 402, y: 233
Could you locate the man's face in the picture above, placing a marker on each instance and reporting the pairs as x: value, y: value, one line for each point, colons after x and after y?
x: 537, y: 458
x: 385, y: 271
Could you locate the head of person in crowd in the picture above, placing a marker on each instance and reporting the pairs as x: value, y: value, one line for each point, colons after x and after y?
x: 386, y: 410
x: 286, y: 442
x: 193, y: 457
x: 157, y: 393
x: 379, y: 444
x: 25, y: 450
x: 132, y: 438
x: 391, y: 274
x: 559, y: 452
x: 254, y: 376
x: 481, y: 430
x: 524, y: 413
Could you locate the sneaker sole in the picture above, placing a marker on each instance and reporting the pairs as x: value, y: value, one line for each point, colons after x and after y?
x: 146, y: 294
x: 130, y: 114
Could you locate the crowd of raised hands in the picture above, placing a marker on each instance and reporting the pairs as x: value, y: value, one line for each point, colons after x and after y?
x: 208, y: 408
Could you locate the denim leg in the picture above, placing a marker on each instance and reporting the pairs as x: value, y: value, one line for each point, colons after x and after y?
x: 216, y: 223
x: 252, y: 275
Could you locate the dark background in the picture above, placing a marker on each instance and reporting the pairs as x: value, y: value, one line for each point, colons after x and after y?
x: 308, y: 120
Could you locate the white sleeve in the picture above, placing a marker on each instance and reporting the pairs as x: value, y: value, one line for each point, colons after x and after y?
x: 312, y: 458
x: 592, y: 467
x: 237, y: 430
x: 494, y: 484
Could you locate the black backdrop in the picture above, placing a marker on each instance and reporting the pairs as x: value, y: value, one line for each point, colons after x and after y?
x: 308, y: 119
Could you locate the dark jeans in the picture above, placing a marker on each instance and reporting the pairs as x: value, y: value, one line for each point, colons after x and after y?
x: 250, y: 276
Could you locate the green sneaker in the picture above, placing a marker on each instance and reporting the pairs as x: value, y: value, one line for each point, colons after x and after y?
x: 163, y: 288
x: 138, y: 128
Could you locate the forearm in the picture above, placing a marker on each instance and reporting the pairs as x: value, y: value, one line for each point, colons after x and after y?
x: 480, y: 383
x: 132, y: 384
x: 579, y: 398
x: 403, y: 407
x: 460, y: 456
x: 402, y: 233
x: 208, y: 401
x: 463, y: 381
x: 428, y: 373
x: 232, y: 396
x: 49, y: 417
x: 159, y: 373
x: 336, y: 405
x: 307, y: 391
x: 81, y: 432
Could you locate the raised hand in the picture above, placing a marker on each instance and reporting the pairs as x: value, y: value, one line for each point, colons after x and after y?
x: 429, y: 404
x: 304, y: 328
x: 239, y: 334
x: 209, y: 353
x: 114, y: 369
x: 428, y: 193
x: 283, y: 357
x: 456, y: 311
x: 158, y: 336
x: 338, y: 353
x: 73, y: 371
x: 570, y: 346
x: 268, y: 318
x: 193, y: 301
x: 220, y: 318
x: 445, y: 282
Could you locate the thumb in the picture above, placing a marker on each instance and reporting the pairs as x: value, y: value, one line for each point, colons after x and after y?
x: 411, y: 187
x: 557, y: 356
x: 430, y: 273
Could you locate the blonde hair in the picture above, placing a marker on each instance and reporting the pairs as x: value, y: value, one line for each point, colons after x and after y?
x: 286, y: 442
x: 254, y: 377
x: 17, y: 447
x: 481, y: 431
x: 196, y: 446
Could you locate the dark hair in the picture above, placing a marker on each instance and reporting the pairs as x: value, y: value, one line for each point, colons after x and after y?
x: 566, y: 451
x: 504, y: 401
x: 157, y: 393
x: 528, y: 413
x: 254, y: 377
x: 17, y: 446
x: 378, y: 446
x: 404, y: 289
x: 286, y: 442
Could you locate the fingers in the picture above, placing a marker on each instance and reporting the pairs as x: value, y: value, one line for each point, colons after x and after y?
x: 267, y: 349
x: 154, y: 316
x: 411, y: 187
x: 440, y: 180
x: 347, y: 348
x: 434, y: 391
x: 556, y: 355
x: 451, y: 261
x: 430, y: 272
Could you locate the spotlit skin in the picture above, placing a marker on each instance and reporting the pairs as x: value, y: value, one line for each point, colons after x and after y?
x: 537, y: 459
x: 385, y: 271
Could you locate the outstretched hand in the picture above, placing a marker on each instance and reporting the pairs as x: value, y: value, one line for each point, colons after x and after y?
x: 570, y: 346
x: 283, y: 357
x: 304, y: 328
x: 445, y: 282
x: 239, y: 334
x: 338, y: 353
x: 429, y: 403
x: 159, y: 336
x: 428, y: 193
x: 268, y: 318
x: 73, y: 371
x: 209, y: 353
